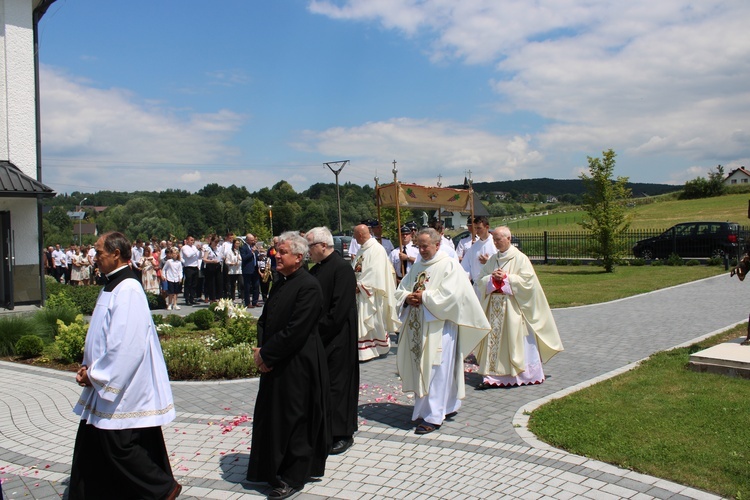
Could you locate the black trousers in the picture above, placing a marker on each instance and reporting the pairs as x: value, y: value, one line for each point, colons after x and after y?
x: 119, y: 464
x: 214, y: 287
x: 252, y: 288
x: 191, y: 283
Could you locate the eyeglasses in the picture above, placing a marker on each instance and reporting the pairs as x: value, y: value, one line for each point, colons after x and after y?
x: 316, y: 243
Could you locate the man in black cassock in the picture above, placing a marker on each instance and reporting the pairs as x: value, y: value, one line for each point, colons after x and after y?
x: 338, y: 330
x: 291, y: 422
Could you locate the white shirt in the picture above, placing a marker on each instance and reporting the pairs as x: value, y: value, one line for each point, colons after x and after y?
x: 191, y: 256
x: 447, y: 242
x: 225, y: 249
x: 395, y: 258
x: 60, y: 259
x: 136, y: 254
x: 471, y: 263
x: 172, y: 270
x: 233, y: 260
x: 463, y: 247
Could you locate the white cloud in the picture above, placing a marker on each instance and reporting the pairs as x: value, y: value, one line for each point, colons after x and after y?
x: 644, y: 78
x: 191, y: 177
x: 110, y: 132
x: 424, y: 149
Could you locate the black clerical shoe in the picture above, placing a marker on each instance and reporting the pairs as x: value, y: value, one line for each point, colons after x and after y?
x: 175, y: 491
x: 283, y: 491
x: 341, y: 446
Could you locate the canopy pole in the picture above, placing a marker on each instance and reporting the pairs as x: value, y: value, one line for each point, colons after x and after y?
x: 377, y: 197
x: 471, y: 203
x: 398, y: 215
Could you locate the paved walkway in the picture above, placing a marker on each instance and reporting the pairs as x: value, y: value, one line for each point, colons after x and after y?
x: 485, y: 452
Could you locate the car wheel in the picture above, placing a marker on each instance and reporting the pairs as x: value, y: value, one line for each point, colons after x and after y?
x: 647, y: 254
x: 717, y: 253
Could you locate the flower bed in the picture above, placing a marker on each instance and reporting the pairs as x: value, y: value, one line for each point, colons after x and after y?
x: 214, y: 343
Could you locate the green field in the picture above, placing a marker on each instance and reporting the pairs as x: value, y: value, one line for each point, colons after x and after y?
x: 662, y: 213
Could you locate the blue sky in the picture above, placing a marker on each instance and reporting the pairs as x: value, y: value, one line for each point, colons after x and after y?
x: 145, y: 95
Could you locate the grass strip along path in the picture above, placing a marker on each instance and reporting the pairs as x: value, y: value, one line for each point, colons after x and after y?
x: 659, y: 419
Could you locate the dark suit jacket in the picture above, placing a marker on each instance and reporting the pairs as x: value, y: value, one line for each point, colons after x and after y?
x: 249, y: 259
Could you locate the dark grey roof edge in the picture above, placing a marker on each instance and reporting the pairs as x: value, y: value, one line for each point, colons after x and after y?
x: 16, y: 184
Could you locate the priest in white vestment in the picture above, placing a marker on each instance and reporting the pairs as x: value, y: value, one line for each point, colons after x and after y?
x: 524, y: 334
x: 376, y: 305
x: 442, y: 323
x: 119, y: 449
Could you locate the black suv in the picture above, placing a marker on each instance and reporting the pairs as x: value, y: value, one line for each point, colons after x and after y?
x: 691, y: 239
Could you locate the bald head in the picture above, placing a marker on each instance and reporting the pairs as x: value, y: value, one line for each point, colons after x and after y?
x: 361, y: 234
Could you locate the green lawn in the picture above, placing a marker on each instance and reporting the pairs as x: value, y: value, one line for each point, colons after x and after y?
x: 659, y: 419
x: 661, y: 214
x: 663, y: 420
x: 567, y: 286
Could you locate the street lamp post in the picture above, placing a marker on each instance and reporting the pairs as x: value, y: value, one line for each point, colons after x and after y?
x: 80, y: 222
x: 336, y: 172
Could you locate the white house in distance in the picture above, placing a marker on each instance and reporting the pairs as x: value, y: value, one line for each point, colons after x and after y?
x: 738, y: 176
x: 21, y: 189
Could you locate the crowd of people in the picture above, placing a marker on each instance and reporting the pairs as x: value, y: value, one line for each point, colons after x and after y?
x: 480, y: 301
x: 229, y: 267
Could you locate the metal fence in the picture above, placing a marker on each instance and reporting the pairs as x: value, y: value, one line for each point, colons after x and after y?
x: 548, y: 246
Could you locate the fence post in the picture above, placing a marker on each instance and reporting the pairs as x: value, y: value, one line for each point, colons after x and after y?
x: 546, y: 256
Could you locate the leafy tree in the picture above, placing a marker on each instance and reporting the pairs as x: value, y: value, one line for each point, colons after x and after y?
x: 313, y: 215
x: 705, y: 188
x: 58, y: 218
x: 604, y: 202
x: 257, y: 221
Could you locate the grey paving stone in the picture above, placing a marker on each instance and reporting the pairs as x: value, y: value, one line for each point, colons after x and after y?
x: 38, y: 427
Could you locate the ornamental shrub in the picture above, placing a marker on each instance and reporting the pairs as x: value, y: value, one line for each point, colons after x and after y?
x: 155, y: 301
x: 174, y: 320
x: 243, y: 331
x: 58, y: 307
x: 692, y: 262
x: 29, y: 346
x: 52, y: 287
x: 185, y: 358
x: 62, y: 301
x: 675, y: 260
x: 715, y: 261
x: 203, y: 319
x: 84, y: 297
x: 12, y: 328
x: 234, y: 362
x: 71, y: 339
x: 637, y: 262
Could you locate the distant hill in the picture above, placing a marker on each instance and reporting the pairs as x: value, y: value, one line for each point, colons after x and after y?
x: 559, y: 187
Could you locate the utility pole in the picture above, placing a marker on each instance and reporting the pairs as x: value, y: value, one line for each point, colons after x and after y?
x: 336, y: 173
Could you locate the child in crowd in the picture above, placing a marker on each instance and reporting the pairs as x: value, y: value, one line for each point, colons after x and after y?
x: 172, y: 274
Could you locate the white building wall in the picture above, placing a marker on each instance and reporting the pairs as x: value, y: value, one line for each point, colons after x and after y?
x: 3, y: 88
x: 19, y: 95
